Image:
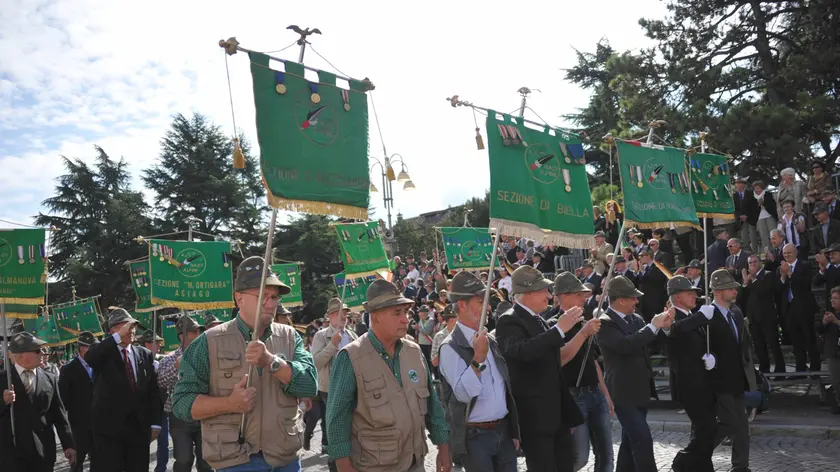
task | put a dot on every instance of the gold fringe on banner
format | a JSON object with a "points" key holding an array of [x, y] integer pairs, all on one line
{"points": [[62, 343], [518, 229], [723, 216], [22, 301], [22, 316], [193, 305], [317, 208], [663, 224], [285, 304], [76, 332], [149, 310], [382, 273]]}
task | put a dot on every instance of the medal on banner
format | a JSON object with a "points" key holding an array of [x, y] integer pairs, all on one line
{"points": [[345, 97], [513, 132], [566, 155], [225, 257], [279, 86], [639, 176], [672, 180], [154, 250], [567, 178], [694, 183], [43, 251], [20, 255], [504, 133], [723, 169], [684, 183], [313, 88], [716, 170], [632, 173], [291, 275], [714, 192], [31, 254]]}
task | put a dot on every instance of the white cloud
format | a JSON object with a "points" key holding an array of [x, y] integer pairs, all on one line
{"points": [[75, 74]]}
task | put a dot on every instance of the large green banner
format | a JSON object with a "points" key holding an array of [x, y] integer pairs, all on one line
{"points": [[313, 140], [23, 260], [538, 183], [289, 274], [78, 316], [191, 275], [655, 183], [362, 250], [356, 292], [23, 312], [711, 186], [141, 281], [169, 333], [46, 329], [467, 248], [145, 318]]}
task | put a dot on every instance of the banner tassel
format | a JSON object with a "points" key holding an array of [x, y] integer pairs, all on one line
{"points": [[479, 141], [238, 156]]}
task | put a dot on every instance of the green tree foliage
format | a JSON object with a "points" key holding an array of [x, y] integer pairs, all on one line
{"points": [[96, 216], [194, 178], [311, 240], [601, 194]]}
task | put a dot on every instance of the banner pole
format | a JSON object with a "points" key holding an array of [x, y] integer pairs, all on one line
{"points": [[8, 367], [705, 252], [486, 303]]}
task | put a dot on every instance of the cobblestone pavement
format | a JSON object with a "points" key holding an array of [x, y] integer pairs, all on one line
{"points": [[767, 454]]}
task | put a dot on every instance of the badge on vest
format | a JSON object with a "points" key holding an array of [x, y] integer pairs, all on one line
{"points": [[412, 375]]}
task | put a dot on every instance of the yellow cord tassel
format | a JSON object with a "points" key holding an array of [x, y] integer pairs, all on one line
{"points": [[479, 141], [238, 157]]}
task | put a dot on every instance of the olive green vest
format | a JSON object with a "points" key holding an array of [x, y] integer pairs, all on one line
{"points": [[388, 429], [274, 426]]}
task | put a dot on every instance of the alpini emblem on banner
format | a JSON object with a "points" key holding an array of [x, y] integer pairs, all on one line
{"points": [[190, 262], [5, 252], [542, 163], [315, 120]]}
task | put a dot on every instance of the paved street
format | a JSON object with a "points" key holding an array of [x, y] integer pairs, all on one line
{"points": [[767, 454]]}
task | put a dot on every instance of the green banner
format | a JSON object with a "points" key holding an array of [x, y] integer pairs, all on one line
{"points": [[141, 281], [538, 184], [467, 248], [362, 250], [289, 274], [22, 266], [711, 186], [47, 330], [356, 292], [223, 314], [191, 275], [23, 312], [79, 316], [145, 318], [654, 180], [169, 333], [313, 140]]}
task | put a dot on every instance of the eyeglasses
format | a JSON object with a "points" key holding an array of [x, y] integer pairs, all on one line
{"points": [[271, 298]]}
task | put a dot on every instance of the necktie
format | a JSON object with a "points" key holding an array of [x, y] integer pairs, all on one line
{"points": [[628, 320], [29, 381], [129, 371], [733, 325]]}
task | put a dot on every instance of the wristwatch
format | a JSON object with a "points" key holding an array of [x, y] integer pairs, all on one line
{"points": [[275, 365], [479, 365]]}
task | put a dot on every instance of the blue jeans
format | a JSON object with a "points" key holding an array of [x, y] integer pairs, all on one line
{"points": [[163, 445], [258, 464], [490, 450], [596, 429], [636, 451]]}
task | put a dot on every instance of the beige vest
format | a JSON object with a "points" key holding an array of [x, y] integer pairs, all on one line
{"points": [[389, 421], [323, 353], [274, 426]]}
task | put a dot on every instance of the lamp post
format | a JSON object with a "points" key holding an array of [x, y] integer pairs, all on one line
{"points": [[388, 176]]}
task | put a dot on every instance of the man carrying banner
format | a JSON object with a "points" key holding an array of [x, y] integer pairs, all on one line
{"points": [[213, 378], [381, 396]]}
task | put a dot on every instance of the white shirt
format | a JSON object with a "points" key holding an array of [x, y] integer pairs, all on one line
{"points": [[21, 370], [491, 403], [413, 275], [506, 283], [131, 359]]}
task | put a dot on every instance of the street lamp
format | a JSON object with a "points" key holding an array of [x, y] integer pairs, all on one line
{"points": [[388, 176]]}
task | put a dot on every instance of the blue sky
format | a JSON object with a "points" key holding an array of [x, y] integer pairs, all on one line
{"points": [[78, 73]]}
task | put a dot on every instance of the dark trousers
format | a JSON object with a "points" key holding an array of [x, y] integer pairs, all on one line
{"points": [[125, 452], [801, 330], [765, 334], [163, 446], [701, 408], [732, 418], [549, 452], [426, 349], [186, 440], [34, 465], [316, 413], [635, 454], [490, 450], [83, 448]]}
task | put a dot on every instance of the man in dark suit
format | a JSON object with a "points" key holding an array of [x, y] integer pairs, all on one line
{"points": [[826, 231], [588, 275], [830, 199], [737, 260], [830, 328], [717, 251], [127, 406], [652, 284], [758, 300], [624, 340], [798, 307], [746, 211], [829, 273], [687, 362], [731, 368], [659, 255], [35, 403], [531, 348], [76, 386]]}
